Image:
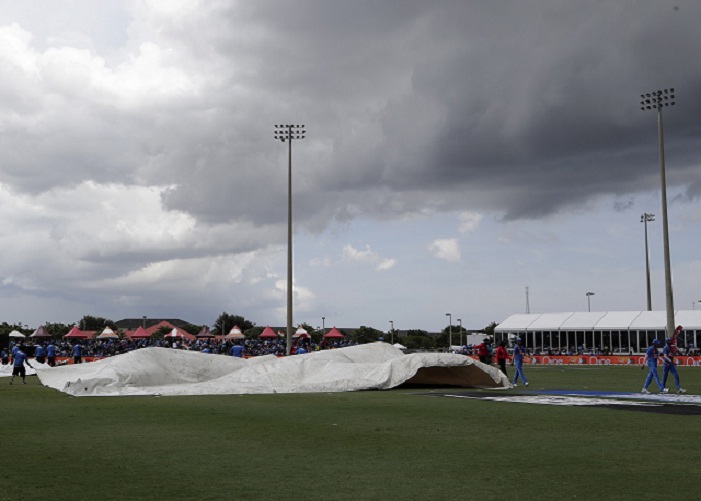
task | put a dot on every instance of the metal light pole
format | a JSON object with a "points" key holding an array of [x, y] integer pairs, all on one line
{"points": [[450, 331], [391, 331], [323, 326], [460, 322], [658, 100], [647, 218], [589, 295], [289, 133]]}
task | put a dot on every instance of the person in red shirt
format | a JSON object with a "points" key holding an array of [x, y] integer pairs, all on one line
{"points": [[482, 352], [502, 357]]}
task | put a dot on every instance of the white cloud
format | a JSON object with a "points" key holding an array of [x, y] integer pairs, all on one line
{"points": [[447, 249], [386, 264], [304, 298], [366, 255], [469, 222]]}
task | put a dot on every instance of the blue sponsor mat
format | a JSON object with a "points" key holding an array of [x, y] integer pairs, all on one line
{"points": [[661, 403]]}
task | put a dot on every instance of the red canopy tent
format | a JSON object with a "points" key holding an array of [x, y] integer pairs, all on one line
{"points": [[139, 333], [334, 334], [268, 333], [76, 333]]}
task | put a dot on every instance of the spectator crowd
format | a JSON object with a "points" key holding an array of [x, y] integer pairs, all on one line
{"points": [[101, 348]]}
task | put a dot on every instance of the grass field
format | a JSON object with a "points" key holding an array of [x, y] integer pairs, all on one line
{"points": [[397, 444]]}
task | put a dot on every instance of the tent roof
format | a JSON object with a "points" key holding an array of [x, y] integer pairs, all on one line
{"points": [[107, 333], [235, 333], [582, 320], [599, 321], [75, 332], [205, 332], [334, 333], [140, 333], [40, 332], [152, 330], [268, 333], [175, 333], [546, 320]]}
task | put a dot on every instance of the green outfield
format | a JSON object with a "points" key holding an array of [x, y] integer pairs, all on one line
{"points": [[398, 444]]}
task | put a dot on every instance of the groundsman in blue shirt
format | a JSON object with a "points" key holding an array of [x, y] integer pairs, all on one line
{"points": [[19, 359]]}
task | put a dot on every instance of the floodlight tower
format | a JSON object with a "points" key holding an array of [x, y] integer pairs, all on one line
{"points": [[647, 218], [657, 100], [289, 133], [450, 331]]}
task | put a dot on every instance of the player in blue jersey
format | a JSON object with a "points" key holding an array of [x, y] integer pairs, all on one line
{"points": [[668, 354], [519, 352], [651, 357], [19, 359], [51, 354]]}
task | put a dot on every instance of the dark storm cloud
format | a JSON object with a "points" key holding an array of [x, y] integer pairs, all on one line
{"points": [[527, 107], [534, 105]]}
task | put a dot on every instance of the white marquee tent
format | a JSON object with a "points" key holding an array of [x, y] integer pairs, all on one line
{"points": [[618, 331]]}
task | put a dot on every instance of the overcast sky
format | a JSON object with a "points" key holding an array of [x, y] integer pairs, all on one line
{"points": [[457, 152]]}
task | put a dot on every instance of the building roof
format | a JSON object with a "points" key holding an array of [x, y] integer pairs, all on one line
{"points": [[129, 324], [599, 321]]}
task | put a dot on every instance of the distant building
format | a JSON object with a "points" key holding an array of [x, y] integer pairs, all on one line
{"points": [[614, 331], [129, 324]]}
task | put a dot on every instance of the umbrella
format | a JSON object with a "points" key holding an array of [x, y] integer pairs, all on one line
{"points": [[17, 334]]}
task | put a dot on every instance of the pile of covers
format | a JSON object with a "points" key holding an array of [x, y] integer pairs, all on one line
{"points": [[165, 371]]}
